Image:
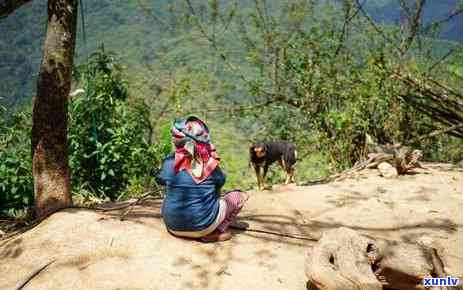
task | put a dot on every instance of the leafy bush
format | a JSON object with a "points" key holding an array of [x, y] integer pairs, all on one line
{"points": [[108, 136], [16, 188], [109, 139], [336, 84]]}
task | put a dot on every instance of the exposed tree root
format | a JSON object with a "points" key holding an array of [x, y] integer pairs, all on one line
{"points": [[346, 260], [31, 276]]}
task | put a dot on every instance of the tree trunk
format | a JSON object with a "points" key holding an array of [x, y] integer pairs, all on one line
{"points": [[49, 131]]}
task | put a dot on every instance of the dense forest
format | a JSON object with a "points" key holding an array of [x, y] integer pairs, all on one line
{"points": [[322, 74], [141, 31]]}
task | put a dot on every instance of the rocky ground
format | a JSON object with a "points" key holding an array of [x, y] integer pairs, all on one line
{"points": [[94, 250]]}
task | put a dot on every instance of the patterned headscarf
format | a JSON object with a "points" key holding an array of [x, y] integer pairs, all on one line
{"points": [[194, 151]]}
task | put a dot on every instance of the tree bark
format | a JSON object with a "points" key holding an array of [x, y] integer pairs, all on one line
{"points": [[49, 130]]}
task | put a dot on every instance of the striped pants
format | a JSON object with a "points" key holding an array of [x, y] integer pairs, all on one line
{"points": [[235, 201]]}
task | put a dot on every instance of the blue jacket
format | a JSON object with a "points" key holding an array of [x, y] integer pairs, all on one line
{"points": [[189, 206]]}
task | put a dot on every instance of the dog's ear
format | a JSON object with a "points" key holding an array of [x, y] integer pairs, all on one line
{"points": [[251, 152], [251, 143], [251, 146]]}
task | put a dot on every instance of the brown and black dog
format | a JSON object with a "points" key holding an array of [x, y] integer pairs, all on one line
{"points": [[264, 153]]}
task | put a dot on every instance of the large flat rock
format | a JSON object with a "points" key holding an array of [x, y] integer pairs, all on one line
{"points": [[95, 250]]}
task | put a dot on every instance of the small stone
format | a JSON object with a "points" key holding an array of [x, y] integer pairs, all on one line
{"points": [[387, 170], [381, 189], [425, 241]]}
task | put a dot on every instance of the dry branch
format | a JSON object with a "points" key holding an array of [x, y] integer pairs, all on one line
{"points": [[148, 195], [286, 235], [402, 158], [9, 6], [437, 132], [31, 276]]}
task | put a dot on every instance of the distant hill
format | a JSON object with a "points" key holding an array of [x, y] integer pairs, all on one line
{"points": [[137, 30], [389, 11]]}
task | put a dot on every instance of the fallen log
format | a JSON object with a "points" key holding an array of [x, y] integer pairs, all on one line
{"points": [[345, 260], [402, 158]]}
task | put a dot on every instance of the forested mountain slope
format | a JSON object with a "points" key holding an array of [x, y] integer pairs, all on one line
{"points": [[322, 74], [142, 31], [390, 11]]}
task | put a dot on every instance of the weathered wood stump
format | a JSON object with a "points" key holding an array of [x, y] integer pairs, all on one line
{"points": [[345, 260], [402, 158], [340, 261]]}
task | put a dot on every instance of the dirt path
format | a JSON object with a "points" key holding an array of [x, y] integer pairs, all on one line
{"points": [[97, 251]]}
